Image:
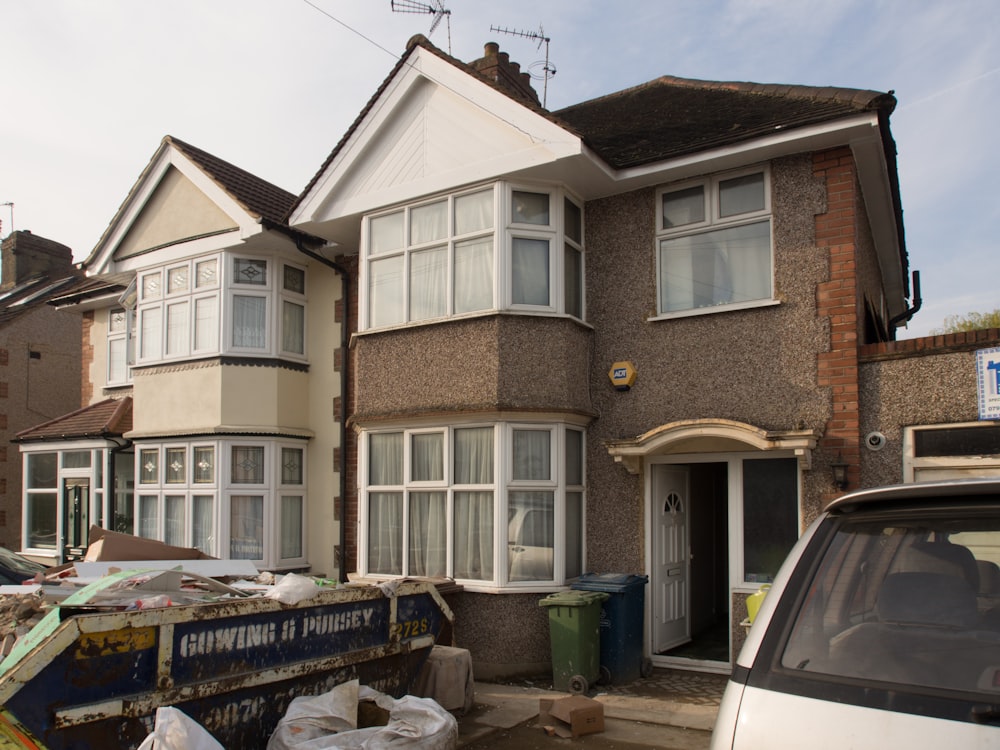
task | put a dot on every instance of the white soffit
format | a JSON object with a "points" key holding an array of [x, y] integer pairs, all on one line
{"points": [[434, 128]]}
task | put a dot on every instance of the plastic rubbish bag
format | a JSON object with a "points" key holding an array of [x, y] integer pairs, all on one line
{"points": [[175, 730], [329, 722], [293, 588]]}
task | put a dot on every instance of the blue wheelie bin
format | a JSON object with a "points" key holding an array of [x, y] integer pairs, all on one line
{"points": [[621, 624]]}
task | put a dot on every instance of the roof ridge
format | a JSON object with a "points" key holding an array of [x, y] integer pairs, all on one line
{"points": [[858, 98]]}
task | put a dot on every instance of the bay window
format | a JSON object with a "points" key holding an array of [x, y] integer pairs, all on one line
{"points": [[249, 506], [433, 500], [485, 249], [714, 244], [209, 306]]}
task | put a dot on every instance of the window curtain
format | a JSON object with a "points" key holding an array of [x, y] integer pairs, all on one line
{"points": [[206, 324], [746, 257], [532, 454], [291, 526], [530, 271], [148, 516], [428, 534], [428, 284], [385, 509], [149, 330], [714, 268], [246, 535], [385, 533], [249, 321], [173, 528], [293, 327], [474, 275], [203, 523], [473, 212], [428, 223], [473, 536], [385, 291], [116, 360], [177, 328], [677, 274]]}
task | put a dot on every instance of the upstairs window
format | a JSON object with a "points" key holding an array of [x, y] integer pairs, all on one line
{"points": [[212, 305], [453, 256], [714, 244], [120, 354]]}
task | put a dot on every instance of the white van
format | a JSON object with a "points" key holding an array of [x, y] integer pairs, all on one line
{"points": [[881, 630]]}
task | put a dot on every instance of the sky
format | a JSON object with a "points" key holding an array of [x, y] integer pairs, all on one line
{"points": [[90, 87]]}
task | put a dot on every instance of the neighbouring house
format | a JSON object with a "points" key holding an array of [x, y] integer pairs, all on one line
{"points": [[652, 333], [39, 355], [205, 422]]}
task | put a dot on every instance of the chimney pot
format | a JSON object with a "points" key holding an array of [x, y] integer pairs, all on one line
{"points": [[490, 49]]}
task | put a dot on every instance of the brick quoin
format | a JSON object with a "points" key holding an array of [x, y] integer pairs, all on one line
{"points": [[87, 358], [836, 300]]}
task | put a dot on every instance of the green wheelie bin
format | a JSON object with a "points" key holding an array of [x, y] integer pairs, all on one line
{"points": [[574, 628]]}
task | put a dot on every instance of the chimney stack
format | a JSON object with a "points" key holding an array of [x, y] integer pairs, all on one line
{"points": [[496, 66], [23, 256]]}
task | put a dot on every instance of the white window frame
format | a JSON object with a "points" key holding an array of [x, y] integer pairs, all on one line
{"points": [[153, 345], [125, 337], [714, 222], [101, 486], [222, 489], [946, 467], [503, 233], [503, 484]]}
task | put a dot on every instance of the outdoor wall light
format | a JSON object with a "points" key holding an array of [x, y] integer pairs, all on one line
{"points": [[839, 469]]}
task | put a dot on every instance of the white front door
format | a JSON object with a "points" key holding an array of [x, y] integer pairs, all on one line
{"points": [[671, 626]]}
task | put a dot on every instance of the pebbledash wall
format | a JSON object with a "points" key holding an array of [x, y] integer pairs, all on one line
{"points": [[918, 383]]}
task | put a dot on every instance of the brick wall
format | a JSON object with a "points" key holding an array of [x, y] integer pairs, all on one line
{"points": [[837, 301]]}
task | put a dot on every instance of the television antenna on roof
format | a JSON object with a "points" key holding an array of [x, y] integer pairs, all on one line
{"points": [[436, 9], [547, 69]]}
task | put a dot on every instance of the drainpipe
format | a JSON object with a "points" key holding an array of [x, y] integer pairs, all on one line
{"points": [[904, 317], [300, 239]]}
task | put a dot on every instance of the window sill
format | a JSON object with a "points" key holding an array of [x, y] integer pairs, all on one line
{"points": [[474, 587], [474, 316], [716, 309]]}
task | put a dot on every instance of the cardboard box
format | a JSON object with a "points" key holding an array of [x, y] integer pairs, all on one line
{"points": [[571, 717], [112, 545]]}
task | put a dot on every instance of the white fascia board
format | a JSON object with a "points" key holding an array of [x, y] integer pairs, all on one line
{"points": [[848, 131], [135, 203], [548, 142]]}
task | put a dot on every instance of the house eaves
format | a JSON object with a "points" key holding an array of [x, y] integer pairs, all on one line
{"points": [[674, 128]]}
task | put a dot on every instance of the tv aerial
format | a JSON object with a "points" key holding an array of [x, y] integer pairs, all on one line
{"points": [[540, 71], [436, 9]]}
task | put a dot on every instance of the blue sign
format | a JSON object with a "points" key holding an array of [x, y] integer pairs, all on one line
{"points": [[988, 382]]}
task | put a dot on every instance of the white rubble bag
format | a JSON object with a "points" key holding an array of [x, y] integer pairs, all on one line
{"points": [[175, 730], [329, 722]]}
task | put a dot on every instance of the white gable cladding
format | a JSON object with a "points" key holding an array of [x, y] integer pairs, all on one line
{"points": [[434, 128]]}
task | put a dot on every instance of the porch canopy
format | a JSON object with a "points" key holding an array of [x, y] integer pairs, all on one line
{"points": [[710, 436]]}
